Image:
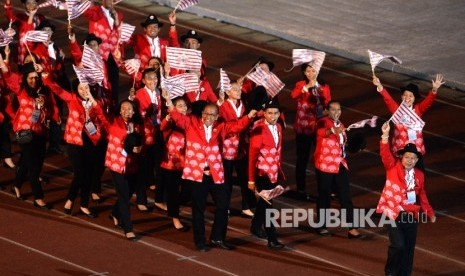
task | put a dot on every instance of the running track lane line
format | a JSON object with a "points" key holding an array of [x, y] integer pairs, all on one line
{"points": [[50, 256]]}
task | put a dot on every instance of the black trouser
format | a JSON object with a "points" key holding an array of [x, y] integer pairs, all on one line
{"points": [[341, 180], [55, 135], [159, 147], [84, 162], [259, 219], [402, 240], [145, 175], [30, 165], [304, 144], [5, 147], [100, 152], [113, 78], [200, 192], [248, 198], [124, 186], [172, 182]]}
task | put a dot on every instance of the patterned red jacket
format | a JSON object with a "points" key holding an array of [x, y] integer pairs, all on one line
{"points": [[264, 155], [98, 25], [150, 113], [175, 146], [234, 144], [308, 109], [328, 152], [394, 196], [199, 152], [400, 137], [76, 117]]}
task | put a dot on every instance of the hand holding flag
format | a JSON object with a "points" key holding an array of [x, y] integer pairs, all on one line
{"points": [[268, 80]]}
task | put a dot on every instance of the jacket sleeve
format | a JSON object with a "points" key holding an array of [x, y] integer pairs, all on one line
{"points": [[386, 156], [297, 91], [76, 52], [181, 120], [57, 90], [424, 105], [254, 151], [389, 101], [173, 40]]}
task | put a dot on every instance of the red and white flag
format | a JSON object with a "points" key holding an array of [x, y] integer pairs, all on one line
{"points": [[270, 194], [125, 32], [90, 59], [406, 116], [376, 59], [4, 38], [301, 56], [225, 82], [268, 80], [132, 65], [88, 75], [37, 36], [184, 4], [53, 3], [76, 8], [178, 85], [371, 122], [184, 59]]}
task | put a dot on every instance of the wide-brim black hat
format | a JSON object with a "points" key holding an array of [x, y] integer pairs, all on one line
{"points": [[191, 34], [92, 37], [412, 88], [151, 19], [27, 68], [272, 103], [132, 140], [267, 62], [24, 1], [45, 24], [409, 148]]}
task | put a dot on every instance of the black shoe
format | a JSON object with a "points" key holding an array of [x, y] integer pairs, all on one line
{"points": [[142, 210], [324, 232], [43, 207], [245, 215], [259, 233], [98, 201], [5, 165], [67, 211], [223, 245], [359, 236], [201, 248], [184, 228], [55, 150], [275, 245], [133, 238], [20, 197], [89, 215]]}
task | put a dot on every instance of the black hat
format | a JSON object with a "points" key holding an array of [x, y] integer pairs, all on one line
{"points": [[45, 24], [409, 148], [197, 107], [24, 1], [266, 61], [191, 34], [356, 143], [27, 68], [273, 103], [151, 19], [258, 98], [92, 37], [132, 140], [412, 88]]}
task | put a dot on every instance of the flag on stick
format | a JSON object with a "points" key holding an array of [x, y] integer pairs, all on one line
{"points": [[225, 82], [268, 80], [4, 38], [36, 36], [76, 8], [371, 122], [184, 59], [132, 65], [376, 59], [184, 4], [275, 192], [178, 85], [315, 58], [126, 31], [53, 3], [90, 59], [88, 75], [406, 116]]}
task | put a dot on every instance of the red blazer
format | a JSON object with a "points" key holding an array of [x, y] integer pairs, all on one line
{"points": [[98, 25], [328, 152], [22, 119], [199, 152], [116, 159], [150, 114], [76, 117], [175, 146], [234, 144], [394, 196], [309, 107], [400, 137], [264, 155], [205, 93], [20, 20]]}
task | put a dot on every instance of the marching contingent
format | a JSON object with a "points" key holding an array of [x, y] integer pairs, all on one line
{"points": [[176, 136]]}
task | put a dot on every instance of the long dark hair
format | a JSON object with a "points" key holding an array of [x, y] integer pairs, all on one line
{"points": [[136, 118], [33, 92]]}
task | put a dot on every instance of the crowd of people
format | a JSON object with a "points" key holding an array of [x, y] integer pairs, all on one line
{"points": [[186, 147]]}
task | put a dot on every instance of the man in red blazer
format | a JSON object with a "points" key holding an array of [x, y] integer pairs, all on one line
{"points": [[265, 168], [203, 168]]}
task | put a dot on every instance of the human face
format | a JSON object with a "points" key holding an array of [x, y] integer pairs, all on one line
{"points": [[334, 111], [30, 5], [153, 63], [264, 67], [209, 115], [32, 80], [107, 4], [49, 31], [94, 46], [126, 111], [408, 97], [152, 30], [272, 115], [409, 159], [191, 43], [181, 107], [83, 90], [235, 92], [310, 73], [150, 80]]}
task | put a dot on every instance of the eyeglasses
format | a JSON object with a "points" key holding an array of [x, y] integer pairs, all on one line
{"points": [[209, 114]]}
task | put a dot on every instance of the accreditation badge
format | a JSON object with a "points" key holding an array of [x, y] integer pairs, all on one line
{"points": [[91, 128], [411, 197], [412, 135]]}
